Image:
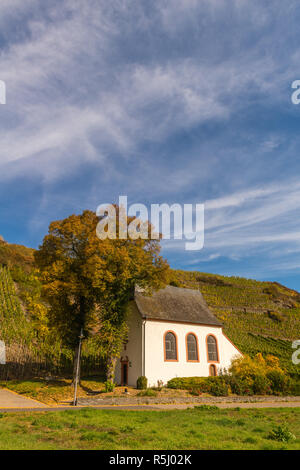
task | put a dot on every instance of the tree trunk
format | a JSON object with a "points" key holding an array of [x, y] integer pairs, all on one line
{"points": [[111, 367]]}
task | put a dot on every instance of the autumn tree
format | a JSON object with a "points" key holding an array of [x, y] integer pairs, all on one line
{"points": [[89, 282]]}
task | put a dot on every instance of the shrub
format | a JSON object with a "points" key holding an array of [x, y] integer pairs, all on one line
{"points": [[109, 386], [218, 387], [281, 433], [188, 383], [142, 383], [294, 386], [261, 384], [257, 375], [238, 385], [278, 380], [195, 392]]}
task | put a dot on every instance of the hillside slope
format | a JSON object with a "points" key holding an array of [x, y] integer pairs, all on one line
{"points": [[32, 349], [257, 316]]}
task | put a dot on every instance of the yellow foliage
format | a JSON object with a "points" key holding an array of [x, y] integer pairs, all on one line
{"points": [[246, 367]]}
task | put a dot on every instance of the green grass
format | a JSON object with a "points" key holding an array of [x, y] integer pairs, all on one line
{"points": [[198, 428]]}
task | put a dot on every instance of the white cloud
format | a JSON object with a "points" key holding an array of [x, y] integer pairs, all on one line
{"points": [[63, 86]]}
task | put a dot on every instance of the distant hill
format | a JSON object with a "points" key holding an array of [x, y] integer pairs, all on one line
{"points": [[257, 316], [16, 255]]}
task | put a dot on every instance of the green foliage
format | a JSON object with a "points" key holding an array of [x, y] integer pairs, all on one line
{"points": [[261, 384], [14, 325], [281, 434], [238, 385], [279, 382], [246, 376], [258, 376], [216, 386], [294, 386], [142, 383], [206, 408], [109, 386]]}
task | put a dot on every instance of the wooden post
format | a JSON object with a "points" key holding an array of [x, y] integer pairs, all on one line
{"points": [[77, 368]]}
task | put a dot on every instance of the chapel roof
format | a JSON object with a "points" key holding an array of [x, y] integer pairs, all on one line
{"points": [[175, 304]]}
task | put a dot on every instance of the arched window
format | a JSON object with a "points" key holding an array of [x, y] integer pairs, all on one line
{"points": [[170, 346], [212, 370], [192, 348], [212, 349]]}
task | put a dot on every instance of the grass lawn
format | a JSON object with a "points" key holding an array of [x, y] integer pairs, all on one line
{"points": [[197, 428], [57, 391]]}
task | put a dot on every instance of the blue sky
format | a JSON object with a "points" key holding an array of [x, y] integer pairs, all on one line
{"points": [[181, 101]]}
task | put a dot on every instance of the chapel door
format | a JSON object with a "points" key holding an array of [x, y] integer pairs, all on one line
{"points": [[124, 373]]}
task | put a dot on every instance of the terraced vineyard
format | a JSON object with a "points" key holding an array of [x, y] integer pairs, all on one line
{"points": [[31, 348], [14, 325], [257, 316]]}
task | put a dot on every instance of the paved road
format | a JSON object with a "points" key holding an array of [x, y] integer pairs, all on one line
{"points": [[40, 408], [12, 400]]}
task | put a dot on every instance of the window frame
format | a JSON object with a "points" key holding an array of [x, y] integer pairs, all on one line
{"points": [[217, 346], [176, 345], [215, 368], [187, 349]]}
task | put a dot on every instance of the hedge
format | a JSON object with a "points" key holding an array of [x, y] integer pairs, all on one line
{"points": [[216, 386]]}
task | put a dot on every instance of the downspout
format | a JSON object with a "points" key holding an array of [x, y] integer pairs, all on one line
{"points": [[143, 346]]}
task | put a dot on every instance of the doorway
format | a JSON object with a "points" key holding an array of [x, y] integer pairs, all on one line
{"points": [[124, 373]]}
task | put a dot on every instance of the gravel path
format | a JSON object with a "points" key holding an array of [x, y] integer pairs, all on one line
{"points": [[158, 407], [13, 400], [220, 401]]}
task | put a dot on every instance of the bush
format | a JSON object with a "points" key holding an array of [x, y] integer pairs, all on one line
{"points": [[257, 375], [281, 434], [109, 386], [294, 386], [238, 385], [278, 380], [261, 385], [142, 383], [216, 386], [196, 392], [187, 383]]}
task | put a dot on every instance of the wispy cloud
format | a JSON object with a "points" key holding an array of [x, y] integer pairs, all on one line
{"points": [[181, 103]]}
